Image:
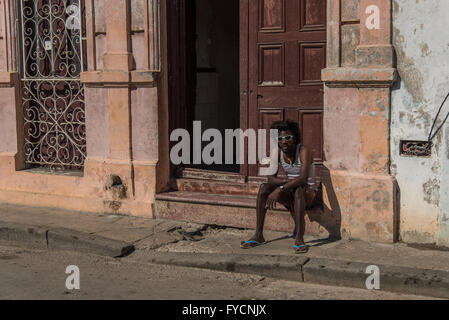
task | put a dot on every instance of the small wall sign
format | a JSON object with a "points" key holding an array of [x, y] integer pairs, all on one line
{"points": [[416, 148]]}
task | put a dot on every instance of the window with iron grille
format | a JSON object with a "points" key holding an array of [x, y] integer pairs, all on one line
{"points": [[53, 104]]}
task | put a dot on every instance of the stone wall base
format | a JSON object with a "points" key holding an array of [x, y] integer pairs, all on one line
{"points": [[366, 205], [97, 190]]}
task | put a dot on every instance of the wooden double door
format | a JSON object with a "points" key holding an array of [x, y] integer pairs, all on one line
{"points": [[282, 53], [286, 52]]}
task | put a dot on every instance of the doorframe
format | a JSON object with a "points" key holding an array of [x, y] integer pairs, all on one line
{"points": [[179, 103], [173, 23]]}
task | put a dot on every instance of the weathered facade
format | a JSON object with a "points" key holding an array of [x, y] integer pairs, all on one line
{"points": [[120, 102], [420, 37], [359, 76]]}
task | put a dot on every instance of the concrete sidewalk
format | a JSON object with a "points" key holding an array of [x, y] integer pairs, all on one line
{"points": [[403, 269]]}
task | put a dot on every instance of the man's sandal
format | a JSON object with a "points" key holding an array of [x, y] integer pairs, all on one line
{"points": [[301, 249], [250, 244]]}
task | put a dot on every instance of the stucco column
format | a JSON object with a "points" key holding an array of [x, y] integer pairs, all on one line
{"points": [[11, 122], [359, 190], [128, 86], [118, 52], [118, 58], [110, 89], [375, 49]]}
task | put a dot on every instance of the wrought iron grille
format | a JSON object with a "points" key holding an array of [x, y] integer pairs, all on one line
{"points": [[52, 94]]}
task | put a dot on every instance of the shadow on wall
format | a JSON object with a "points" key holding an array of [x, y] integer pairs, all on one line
{"points": [[397, 214], [330, 216]]}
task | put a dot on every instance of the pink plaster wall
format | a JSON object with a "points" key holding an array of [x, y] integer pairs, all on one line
{"points": [[137, 34], [100, 46], [97, 122], [137, 14], [341, 128], [100, 16], [8, 136], [100, 32], [2, 55], [138, 47], [144, 112], [2, 45]]}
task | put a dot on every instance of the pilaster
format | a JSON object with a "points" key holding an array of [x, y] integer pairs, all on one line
{"points": [[357, 109]]}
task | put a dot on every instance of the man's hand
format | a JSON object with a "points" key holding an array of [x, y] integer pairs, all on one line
{"points": [[273, 198]]}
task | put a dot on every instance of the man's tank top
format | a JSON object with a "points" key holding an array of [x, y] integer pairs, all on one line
{"points": [[293, 171]]}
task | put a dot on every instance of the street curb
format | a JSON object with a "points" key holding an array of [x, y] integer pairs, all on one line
{"points": [[404, 280], [281, 267], [62, 239], [399, 279], [31, 236]]}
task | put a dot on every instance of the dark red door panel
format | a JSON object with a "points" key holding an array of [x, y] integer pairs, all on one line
{"points": [[287, 51]]}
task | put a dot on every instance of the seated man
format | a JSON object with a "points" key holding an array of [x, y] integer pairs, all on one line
{"points": [[296, 192]]}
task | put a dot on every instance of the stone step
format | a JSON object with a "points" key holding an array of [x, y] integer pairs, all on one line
{"points": [[190, 173], [217, 187], [229, 210]]}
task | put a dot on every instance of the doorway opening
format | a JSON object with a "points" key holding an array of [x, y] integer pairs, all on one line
{"points": [[217, 102], [204, 68]]}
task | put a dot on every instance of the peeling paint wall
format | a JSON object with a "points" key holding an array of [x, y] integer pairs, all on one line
{"points": [[350, 31], [443, 222], [421, 41]]}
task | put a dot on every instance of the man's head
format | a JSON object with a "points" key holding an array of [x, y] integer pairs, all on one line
{"points": [[288, 134]]}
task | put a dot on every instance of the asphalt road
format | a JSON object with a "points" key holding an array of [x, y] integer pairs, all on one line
{"points": [[33, 274]]}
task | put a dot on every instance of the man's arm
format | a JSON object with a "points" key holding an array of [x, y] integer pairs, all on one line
{"points": [[275, 180]]}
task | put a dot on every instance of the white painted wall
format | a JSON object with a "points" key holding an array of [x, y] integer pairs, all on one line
{"points": [[443, 223], [421, 40]]}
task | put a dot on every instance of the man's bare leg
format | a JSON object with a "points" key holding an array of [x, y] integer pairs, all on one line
{"points": [[308, 200], [264, 191], [299, 211], [292, 213]]}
